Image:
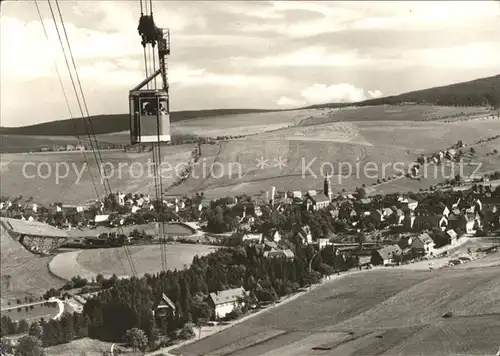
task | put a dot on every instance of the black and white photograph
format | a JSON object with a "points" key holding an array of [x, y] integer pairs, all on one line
{"points": [[249, 178]]}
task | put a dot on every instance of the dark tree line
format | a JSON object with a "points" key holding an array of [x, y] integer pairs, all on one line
{"points": [[129, 303], [11, 327]]}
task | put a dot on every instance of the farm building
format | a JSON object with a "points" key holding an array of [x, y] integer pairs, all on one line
{"points": [[226, 301], [385, 255]]}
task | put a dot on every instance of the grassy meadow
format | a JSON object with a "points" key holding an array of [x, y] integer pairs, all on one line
{"points": [[344, 146], [347, 140], [384, 312], [109, 261], [128, 172], [23, 273]]}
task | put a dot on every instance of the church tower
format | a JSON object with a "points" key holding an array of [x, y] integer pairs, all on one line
{"points": [[327, 187]]}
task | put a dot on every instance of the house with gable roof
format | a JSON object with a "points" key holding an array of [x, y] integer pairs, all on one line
{"points": [[226, 301], [165, 308], [423, 244], [385, 255]]}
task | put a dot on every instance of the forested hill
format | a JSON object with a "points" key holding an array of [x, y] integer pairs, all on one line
{"points": [[103, 124], [479, 92], [484, 91]]}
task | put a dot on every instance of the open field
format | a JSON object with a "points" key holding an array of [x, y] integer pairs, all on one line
{"points": [[358, 152], [398, 113], [237, 124], [13, 143], [23, 273], [308, 151], [243, 124], [129, 172], [39, 311], [389, 311], [109, 261]]}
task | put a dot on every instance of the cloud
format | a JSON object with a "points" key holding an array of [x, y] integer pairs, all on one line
{"points": [[336, 93], [314, 57], [286, 101], [392, 15], [37, 59], [469, 56], [251, 54], [187, 77], [373, 94]]}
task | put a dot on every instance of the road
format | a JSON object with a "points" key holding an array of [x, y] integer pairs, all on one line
{"points": [[59, 302], [22, 305]]}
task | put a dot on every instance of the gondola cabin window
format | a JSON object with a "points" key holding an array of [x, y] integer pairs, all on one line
{"points": [[149, 107], [163, 106]]}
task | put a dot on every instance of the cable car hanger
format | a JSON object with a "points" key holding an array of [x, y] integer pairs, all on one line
{"points": [[149, 108]]}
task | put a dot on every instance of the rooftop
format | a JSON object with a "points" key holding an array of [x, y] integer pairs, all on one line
{"points": [[227, 296], [320, 198], [425, 238], [388, 251]]}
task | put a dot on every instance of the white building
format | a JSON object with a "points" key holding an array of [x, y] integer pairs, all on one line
{"points": [[226, 301], [322, 243], [252, 238], [100, 219]]}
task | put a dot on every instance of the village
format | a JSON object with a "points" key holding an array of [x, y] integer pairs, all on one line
{"points": [[351, 222], [332, 232], [342, 232]]}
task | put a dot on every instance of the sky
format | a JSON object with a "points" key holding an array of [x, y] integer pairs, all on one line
{"points": [[253, 54]]}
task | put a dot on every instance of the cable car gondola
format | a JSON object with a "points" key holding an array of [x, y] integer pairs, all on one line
{"points": [[149, 116], [149, 108]]}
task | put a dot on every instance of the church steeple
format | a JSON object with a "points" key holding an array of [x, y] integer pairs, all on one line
{"points": [[327, 186]]}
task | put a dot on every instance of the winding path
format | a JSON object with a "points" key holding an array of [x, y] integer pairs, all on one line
{"points": [[60, 304]]}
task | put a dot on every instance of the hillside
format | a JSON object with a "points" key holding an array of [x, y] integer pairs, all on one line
{"points": [[479, 92], [103, 124], [379, 312], [484, 91], [22, 273]]}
